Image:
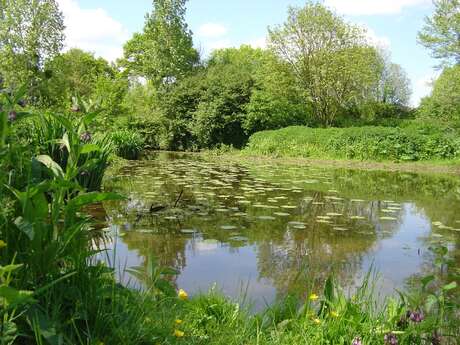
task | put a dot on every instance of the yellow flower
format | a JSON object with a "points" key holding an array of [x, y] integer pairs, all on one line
{"points": [[182, 295], [178, 333], [313, 297], [334, 314], [317, 321], [2, 244], [178, 321]]}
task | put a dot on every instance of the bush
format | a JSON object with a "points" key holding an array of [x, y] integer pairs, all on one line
{"points": [[411, 143], [128, 144], [444, 102]]}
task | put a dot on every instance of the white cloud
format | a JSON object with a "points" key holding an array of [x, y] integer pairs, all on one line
{"points": [[212, 30], [382, 42], [372, 7], [258, 43], [422, 86], [93, 30]]}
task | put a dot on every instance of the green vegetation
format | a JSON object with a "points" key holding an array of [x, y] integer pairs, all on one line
{"points": [[128, 144], [62, 115], [410, 143]]}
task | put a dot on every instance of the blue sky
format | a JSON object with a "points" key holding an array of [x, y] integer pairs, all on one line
{"points": [[102, 26]]}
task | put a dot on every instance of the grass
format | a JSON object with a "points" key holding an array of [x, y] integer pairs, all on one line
{"points": [[54, 290], [411, 143]]}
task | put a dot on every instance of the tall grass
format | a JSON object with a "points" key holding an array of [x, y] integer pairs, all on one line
{"points": [[128, 143]]}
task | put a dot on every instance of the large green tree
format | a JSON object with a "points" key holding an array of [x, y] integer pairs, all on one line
{"points": [[31, 31], [330, 58], [441, 33], [163, 52], [79, 73], [444, 102]]}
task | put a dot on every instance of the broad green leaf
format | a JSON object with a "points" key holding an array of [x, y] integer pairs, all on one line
{"points": [[91, 198], [10, 296], [87, 148], [50, 164], [450, 286], [25, 227]]}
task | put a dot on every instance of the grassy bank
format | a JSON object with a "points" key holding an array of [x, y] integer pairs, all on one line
{"points": [[415, 142]]}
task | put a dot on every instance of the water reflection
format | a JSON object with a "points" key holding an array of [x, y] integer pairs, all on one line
{"points": [[266, 230]]}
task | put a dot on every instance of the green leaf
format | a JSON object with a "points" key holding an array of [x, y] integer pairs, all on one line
{"points": [[91, 198], [9, 268], [10, 296], [50, 164], [87, 148], [450, 286], [25, 227], [426, 280]]}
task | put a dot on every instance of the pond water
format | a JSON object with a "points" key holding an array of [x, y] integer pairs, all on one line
{"points": [[261, 231]]}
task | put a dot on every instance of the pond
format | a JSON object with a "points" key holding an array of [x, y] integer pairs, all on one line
{"points": [[261, 230]]}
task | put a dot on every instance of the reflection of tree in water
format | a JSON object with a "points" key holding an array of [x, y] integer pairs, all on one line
{"points": [[167, 249], [288, 257]]}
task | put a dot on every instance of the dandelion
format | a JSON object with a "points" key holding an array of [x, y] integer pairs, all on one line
{"points": [[182, 295], [334, 314], [390, 339], [2, 244], [178, 321], [178, 333], [313, 297], [317, 321], [357, 341]]}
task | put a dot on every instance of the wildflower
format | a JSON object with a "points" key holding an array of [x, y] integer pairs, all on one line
{"points": [[334, 314], [85, 137], [178, 333], [357, 341], [390, 339], [317, 321], [416, 316], [2, 244], [178, 321], [313, 297], [12, 116], [182, 295], [75, 108]]}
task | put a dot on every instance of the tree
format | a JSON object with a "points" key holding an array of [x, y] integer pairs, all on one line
{"points": [[444, 101], [163, 52], [31, 32], [332, 62], [79, 73], [441, 33], [394, 86]]}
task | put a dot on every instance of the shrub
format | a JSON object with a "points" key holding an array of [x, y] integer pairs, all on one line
{"points": [[128, 144], [411, 143]]}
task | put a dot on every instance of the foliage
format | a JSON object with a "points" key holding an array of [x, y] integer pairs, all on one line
{"points": [[410, 143], [444, 102], [128, 144], [163, 52], [79, 74], [442, 31], [31, 31], [334, 74], [51, 134], [394, 85]]}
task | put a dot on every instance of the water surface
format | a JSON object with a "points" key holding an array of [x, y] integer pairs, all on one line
{"points": [[265, 230]]}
